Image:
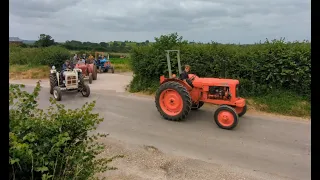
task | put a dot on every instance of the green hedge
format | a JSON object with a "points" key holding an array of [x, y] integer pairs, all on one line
{"points": [[53, 55], [260, 67], [55, 143]]}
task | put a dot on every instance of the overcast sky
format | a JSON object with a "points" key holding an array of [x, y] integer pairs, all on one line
{"points": [[234, 21]]}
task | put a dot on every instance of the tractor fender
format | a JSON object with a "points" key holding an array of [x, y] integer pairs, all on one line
{"points": [[164, 80]]}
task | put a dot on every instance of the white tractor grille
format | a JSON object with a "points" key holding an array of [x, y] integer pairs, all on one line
{"points": [[72, 80]]}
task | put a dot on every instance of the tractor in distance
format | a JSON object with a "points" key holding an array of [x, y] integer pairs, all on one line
{"points": [[175, 98], [103, 65], [72, 81]]}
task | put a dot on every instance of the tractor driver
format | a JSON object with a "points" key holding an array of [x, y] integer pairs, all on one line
{"points": [[65, 66], [185, 75]]}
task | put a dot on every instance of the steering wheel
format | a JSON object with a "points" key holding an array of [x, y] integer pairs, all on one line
{"points": [[190, 80]]}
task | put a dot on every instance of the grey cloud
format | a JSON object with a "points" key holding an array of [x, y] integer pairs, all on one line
{"points": [[200, 20]]}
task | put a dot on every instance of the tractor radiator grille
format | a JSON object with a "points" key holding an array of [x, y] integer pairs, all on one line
{"points": [[72, 80]]}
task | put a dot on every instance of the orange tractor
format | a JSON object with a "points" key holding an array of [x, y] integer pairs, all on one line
{"points": [[175, 98]]}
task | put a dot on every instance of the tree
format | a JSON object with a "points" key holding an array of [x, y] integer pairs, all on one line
{"points": [[104, 44], [44, 41], [123, 44]]}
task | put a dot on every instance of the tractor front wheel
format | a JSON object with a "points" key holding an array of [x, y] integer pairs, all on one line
{"points": [[85, 90], [241, 110], [173, 101], [57, 94], [226, 117], [197, 106]]}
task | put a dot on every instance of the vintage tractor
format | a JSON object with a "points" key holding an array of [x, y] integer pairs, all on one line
{"points": [[175, 98], [72, 80], [103, 66], [89, 71]]}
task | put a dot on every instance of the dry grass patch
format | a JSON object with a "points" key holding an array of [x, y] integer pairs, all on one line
{"points": [[28, 72]]}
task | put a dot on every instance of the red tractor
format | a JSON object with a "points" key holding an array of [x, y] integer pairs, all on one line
{"points": [[175, 98], [89, 71]]}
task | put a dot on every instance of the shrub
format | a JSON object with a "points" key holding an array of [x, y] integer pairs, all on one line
{"points": [[260, 67], [55, 143], [51, 56]]}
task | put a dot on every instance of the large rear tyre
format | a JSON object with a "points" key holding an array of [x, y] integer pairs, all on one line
{"points": [[53, 81], [241, 110], [197, 106], [226, 117], [90, 78], [95, 73], [57, 94], [81, 83], [173, 101], [85, 91]]}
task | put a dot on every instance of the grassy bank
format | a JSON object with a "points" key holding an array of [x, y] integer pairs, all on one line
{"points": [[121, 64], [28, 72]]}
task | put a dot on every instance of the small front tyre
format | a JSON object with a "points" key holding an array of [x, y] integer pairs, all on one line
{"points": [[57, 94], [85, 90], [226, 117]]}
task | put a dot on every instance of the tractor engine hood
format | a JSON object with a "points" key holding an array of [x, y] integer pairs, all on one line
{"points": [[213, 81]]}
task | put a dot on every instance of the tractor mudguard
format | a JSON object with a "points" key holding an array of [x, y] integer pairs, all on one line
{"points": [[164, 80]]}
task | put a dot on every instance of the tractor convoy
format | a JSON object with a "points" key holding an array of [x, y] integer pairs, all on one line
{"points": [[175, 97]]}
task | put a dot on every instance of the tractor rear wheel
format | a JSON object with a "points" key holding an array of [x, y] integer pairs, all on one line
{"points": [[95, 73], [90, 78], [81, 83], [226, 117], [241, 110], [53, 81], [173, 101], [197, 106]]}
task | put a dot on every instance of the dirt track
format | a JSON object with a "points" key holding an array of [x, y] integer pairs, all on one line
{"points": [[261, 147]]}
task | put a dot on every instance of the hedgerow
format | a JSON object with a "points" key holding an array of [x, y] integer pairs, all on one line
{"points": [[51, 56], [52, 144], [261, 68]]}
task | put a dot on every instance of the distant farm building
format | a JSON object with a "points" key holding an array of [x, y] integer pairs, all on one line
{"points": [[15, 40]]}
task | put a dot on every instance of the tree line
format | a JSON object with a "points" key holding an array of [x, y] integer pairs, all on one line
{"points": [[45, 40]]}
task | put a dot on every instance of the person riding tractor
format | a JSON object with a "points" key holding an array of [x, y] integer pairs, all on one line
{"points": [[65, 66], [90, 58], [104, 60]]}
